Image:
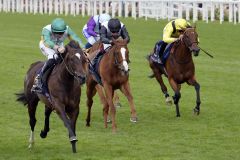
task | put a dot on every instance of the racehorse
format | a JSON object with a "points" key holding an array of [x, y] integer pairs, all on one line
{"points": [[114, 72], [92, 52], [64, 88], [179, 68]]}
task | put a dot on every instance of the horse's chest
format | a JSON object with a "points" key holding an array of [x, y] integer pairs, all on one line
{"points": [[182, 76]]}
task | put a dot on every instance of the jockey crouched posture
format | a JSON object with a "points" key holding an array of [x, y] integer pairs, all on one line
{"points": [[92, 28], [171, 32], [53, 36], [112, 29]]}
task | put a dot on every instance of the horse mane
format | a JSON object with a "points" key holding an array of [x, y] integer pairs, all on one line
{"points": [[73, 44]]}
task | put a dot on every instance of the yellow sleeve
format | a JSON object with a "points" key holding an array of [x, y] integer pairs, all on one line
{"points": [[167, 32]]}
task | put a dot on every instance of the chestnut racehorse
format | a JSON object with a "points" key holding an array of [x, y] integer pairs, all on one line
{"points": [[114, 72]]}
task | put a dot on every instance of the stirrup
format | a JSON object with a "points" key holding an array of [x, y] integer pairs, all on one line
{"points": [[37, 88], [37, 85]]}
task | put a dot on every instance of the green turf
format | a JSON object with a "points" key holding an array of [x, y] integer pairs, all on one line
{"points": [[214, 134]]}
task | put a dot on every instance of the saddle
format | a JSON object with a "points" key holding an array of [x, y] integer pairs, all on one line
{"points": [[161, 52], [93, 67]]}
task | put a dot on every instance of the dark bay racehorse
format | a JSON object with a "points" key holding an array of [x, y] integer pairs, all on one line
{"points": [[113, 69], [64, 85], [180, 68]]}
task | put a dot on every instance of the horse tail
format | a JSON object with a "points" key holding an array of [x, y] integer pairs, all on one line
{"points": [[22, 98], [148, 57]]}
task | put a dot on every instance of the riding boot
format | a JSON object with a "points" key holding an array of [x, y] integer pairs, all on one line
{"points": [[161, 52], [41, 78], [95, 59], [94, 67]]}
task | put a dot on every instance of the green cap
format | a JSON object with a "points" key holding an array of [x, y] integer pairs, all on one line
{"points": [[58, 25]]}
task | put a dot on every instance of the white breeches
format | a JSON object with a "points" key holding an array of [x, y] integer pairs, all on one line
{"points": [[48, 52]]}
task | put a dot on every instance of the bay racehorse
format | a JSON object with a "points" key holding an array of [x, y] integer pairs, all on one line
{"points": [[64, 88], [114, 72], [179, 68]]}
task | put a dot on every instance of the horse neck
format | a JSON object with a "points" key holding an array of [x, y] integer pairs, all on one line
{"points": [[183, 52], [63, 74], [112, 54]]}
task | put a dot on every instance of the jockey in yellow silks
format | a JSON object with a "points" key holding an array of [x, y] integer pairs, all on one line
{"points": [[171, 33], [174, 29]]}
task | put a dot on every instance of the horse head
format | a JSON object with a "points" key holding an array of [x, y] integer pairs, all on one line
{"points": [[76, 61], [121, 55], [190, 39]]}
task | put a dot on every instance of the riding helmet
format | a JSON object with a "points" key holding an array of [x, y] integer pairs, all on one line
{"points": [[104, 17], [58, 25], [114, 25]]}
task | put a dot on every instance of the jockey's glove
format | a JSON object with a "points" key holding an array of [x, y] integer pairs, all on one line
{"points": [[55, 48], [61, 49]]}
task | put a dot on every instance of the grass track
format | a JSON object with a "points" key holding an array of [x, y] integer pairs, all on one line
{"points": [[215, 134]]}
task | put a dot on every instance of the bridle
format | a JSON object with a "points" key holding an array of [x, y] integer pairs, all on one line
{"points": [[72, 72], [117, 63], [186, 41]]}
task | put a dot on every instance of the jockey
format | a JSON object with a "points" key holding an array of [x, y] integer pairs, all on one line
{"points": [[112, 29], [92, 28], [171, 33], [53, 36]]}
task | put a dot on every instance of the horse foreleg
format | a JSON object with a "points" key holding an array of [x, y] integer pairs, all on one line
{"points": [[62, 114], [91, 91], [32, 121], [105, 105], [176, 87], [109, 95], [127, 92], [158, 76], [198, 102], [73, 115], [116, 100], [44, 132], [196, 85]]}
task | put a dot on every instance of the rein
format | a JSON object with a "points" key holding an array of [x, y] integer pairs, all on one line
{"points": [[174, 55], [70, 70], [186, 45]]}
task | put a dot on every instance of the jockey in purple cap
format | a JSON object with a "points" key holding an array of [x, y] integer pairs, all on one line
{"points": [[92, 28]]}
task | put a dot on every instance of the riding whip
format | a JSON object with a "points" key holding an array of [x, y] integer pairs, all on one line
{"points": [[206, 52]]}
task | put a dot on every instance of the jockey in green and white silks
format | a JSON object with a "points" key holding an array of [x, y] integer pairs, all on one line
{"points": [[52, 43]]}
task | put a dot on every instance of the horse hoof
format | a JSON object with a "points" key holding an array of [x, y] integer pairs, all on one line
{"points": [[43, 134], [109, 120], [133, 119], [30, 146], [196, 111], [168, 101], [73, 139], [87, 125], [74, 145], [178, 115]]}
